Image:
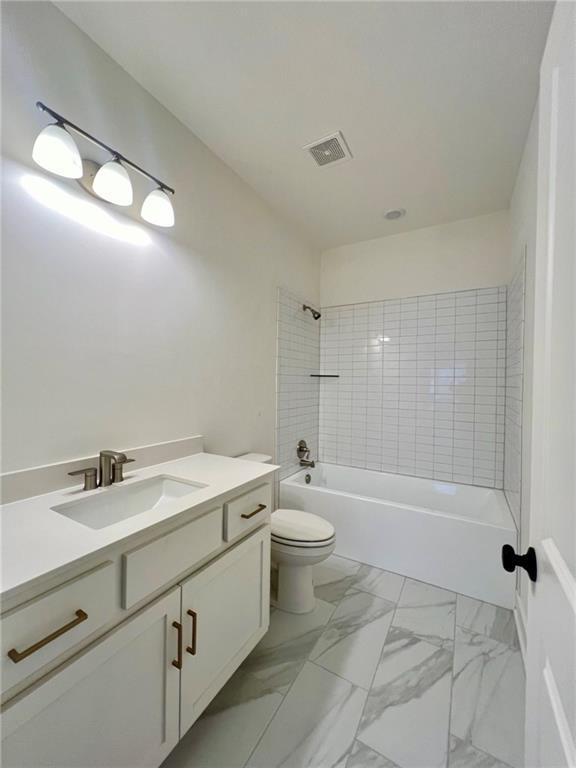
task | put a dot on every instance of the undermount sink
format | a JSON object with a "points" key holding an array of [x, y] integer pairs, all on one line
{"points": [[111, 505]]}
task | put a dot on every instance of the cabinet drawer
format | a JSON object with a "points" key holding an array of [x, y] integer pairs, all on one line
{"points": [[154, 564], [247, 511], [37, 632]]}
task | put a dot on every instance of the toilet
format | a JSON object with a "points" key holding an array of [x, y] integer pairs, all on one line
{"points": [[299, 540]]}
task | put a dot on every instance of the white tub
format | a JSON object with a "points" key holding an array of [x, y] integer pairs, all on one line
{"points": [[442, 533]]}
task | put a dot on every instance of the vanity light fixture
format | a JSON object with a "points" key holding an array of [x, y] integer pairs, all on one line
{"points": [[157, 209], [56, 151], [113, 184]]}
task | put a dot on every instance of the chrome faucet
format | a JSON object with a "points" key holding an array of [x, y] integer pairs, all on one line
{"points": [[303, 453], [112, 467]]}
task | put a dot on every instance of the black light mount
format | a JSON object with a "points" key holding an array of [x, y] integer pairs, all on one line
{"points": [[116, 155]]}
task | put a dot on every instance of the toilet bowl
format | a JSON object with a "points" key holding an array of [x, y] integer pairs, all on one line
{"points": [[299, 540]]}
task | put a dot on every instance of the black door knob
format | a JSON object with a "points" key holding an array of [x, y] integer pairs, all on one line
{"points": [[511, 561]]}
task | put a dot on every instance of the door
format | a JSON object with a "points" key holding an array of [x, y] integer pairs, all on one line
{"points": [[225, 612], [551, 668], [115, 705]]}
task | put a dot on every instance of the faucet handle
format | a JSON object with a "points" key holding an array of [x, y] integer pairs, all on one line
{"points": [[90, 477], [118, 469]]}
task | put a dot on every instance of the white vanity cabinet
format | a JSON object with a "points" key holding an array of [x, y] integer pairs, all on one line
{"points": [[115, 705], [225, 611], [125, 699]]}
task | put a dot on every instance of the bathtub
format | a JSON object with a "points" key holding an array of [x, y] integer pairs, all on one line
{"points": [[445, 534]]}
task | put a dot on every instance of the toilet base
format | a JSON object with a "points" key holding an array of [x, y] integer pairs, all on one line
{"points": [[295, 592], [293, 584]]}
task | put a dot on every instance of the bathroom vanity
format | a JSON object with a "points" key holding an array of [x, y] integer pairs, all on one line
{"points": [[120, 626]]}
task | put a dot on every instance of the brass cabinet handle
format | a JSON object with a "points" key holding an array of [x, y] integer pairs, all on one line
{"points": [[191, 649], [177, 662], [259, 508], [17, 656]]}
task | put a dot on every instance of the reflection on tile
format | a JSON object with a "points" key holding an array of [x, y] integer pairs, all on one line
{"points": [[351, 644], [230, 727], [463, 755], [488, 696], [279, 656], [315, 724], [333, 578], [380, 583], [426, 611], [485, 619], [362, 756], [407, 712]]}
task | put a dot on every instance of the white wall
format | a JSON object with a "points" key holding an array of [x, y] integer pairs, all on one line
{"points": [[523, 241], [462, 255], [110, 344]]}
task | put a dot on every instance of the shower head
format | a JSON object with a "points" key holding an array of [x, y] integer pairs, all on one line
{"points": [[315, 314]]}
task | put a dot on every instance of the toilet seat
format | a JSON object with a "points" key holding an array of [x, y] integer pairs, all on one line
{"points": [[292, 527], [302, 544]]}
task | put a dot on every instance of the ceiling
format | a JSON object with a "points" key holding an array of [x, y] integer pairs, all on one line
{"points": [[434, 99]]}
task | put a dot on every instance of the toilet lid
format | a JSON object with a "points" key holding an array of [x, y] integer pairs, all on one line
{"points": [[295, 525]]}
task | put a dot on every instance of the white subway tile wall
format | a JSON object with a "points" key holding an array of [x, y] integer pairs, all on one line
{"points": [[297, 393], [421, 388], [514, 391]]}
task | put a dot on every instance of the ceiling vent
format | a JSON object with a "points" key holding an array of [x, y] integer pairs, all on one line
{"points": [[330, 150]]}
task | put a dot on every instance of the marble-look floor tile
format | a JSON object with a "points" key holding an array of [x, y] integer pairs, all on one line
{"points": [[408, 708], [485, 619], [351, 644], [377, 582], [463, 755], [315, 724], [334, 577], [426, 611], [362, 756], [229, 729], [488, 696], [280, 655]]}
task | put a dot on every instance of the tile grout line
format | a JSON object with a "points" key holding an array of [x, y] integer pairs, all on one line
{"points": [[284, 695], [451, 683], [356, 733]]}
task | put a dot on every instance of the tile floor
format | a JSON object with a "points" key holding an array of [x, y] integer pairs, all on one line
{"points": [[387, 672]]}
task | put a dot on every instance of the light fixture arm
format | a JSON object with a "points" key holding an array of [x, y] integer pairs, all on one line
{"points": [[114, 152]]}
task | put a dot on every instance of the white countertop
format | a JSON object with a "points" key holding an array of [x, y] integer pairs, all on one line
{"points": [[37, 542]]}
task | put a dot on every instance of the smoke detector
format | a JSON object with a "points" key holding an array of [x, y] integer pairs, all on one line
{"points": [[394, 213], [330, 150]]}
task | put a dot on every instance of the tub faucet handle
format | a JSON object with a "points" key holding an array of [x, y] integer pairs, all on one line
{"points": [[302, 451]]}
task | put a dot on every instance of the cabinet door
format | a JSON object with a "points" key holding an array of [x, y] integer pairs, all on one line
{"points": [[115, 705], [225, 612]]}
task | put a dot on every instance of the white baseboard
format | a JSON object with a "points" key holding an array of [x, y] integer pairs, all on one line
{"points": [[51, 477]]}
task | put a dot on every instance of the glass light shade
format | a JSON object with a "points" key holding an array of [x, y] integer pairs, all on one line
{"points": [[113, 184], [56, 151], [157, 209]]}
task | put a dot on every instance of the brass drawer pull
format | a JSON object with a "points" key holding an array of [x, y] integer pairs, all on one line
{"points": [[259, 508], [17, 656], [177, 662], [191, 649]]}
